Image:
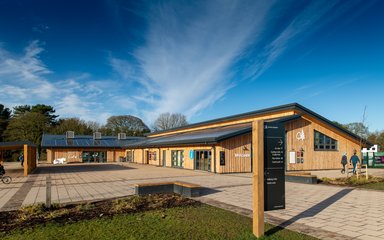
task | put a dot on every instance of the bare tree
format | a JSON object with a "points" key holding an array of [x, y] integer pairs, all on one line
{"points": [[95, 126], [169, 120]]}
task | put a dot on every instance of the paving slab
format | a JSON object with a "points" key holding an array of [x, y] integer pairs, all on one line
{"points": [[326, 212]]}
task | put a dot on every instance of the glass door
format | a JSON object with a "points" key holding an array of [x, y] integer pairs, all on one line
{"points": [[177, 158], [203, 160]]}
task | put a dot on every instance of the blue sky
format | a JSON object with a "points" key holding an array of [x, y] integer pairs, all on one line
{"points": [[205, 59]]}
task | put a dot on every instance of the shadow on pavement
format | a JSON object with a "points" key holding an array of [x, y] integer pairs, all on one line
{"points": [[311, 211], [79, 168], [206, 191]]}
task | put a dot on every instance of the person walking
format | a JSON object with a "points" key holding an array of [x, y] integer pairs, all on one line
{"points": [[354, 160], [2, 170], [344, 162], [21, 159]]}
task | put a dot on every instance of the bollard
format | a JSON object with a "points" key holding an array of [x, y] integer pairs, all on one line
{"points": [[48, 193]]}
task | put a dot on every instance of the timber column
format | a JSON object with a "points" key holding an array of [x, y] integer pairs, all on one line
{"points": [[258, 177]]}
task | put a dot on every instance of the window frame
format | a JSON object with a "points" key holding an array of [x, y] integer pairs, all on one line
{"points": [[322, 142]]}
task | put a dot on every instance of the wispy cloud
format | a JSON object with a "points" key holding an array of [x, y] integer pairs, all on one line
{"points": [[189, 57], [184, 64], [25, 79]]}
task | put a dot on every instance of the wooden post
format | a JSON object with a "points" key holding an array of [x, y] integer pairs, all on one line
{"points": [[26, 157], [258, 177], [48, 193]]}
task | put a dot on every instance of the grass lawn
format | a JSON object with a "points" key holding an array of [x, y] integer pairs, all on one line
{"points": [[191, 222], [376, 183], [375, 186]]}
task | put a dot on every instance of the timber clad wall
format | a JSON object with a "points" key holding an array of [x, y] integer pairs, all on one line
{"points": [[237, 154], [237, 149], [320, 159], [75, 155]]}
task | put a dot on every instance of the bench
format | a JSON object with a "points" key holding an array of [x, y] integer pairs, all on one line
{"points": [[183, 188], [301, 178]]}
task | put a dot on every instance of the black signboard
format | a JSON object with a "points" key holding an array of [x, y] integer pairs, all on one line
{"points": [[222, 158], [274, 162]]}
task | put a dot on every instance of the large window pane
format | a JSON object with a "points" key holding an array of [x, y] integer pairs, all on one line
{"points": [[323, 142]]}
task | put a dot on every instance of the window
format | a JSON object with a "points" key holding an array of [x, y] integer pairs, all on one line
{"points": [[177, 158], [324, 143], [152, 155]]}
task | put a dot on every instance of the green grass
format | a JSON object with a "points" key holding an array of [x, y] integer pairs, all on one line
{"points": [[375, 186], [192, 222]]}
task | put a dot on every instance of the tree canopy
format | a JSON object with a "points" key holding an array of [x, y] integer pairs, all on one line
{"points": [[27, 127], [169, 120], [131, 125], [358, 128], [5, 115], [72, 124], [46, 110]]}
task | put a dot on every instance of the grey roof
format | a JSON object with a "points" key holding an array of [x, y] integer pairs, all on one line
{"points": [[85, 141], [207, 136], [292, 106]]}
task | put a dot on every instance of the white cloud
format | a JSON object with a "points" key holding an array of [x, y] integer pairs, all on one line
{"points": [[189, 57], [22, 75], [24, 79], [185, 62]]}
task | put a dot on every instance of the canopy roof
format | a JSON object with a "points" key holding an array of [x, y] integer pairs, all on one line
{"points": [[15, 145]]}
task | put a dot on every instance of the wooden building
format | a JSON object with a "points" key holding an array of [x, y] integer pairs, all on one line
{"points": [[223, 145], [85, 149]]}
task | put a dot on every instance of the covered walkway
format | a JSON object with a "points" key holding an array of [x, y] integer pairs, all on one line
{"points": [[30, 153]]}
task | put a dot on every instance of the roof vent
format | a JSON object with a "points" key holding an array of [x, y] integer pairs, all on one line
{"points": [[70, 134], [121, 136], [96, 135]]}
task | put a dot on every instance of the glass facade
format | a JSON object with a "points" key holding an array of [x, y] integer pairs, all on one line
{"points": [[94, 157], [203, 160]]}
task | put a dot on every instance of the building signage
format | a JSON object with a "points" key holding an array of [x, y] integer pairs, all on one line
{"points": [[191, 154], [239, 155], [274, 162], [300, 135]]}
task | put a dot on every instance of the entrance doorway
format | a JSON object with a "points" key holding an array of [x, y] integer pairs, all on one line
{"points": [[94, 157], [203, 160]]}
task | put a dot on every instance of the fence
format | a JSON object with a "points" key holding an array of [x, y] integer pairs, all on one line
{"points": [[374, 160]]}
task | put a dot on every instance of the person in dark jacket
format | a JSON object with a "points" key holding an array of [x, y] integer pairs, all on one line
{"points": [[354, 160], [2, 170], [344, 162], [21, 159]]}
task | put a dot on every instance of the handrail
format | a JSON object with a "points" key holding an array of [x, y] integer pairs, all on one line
{"points": [[358, 170]]}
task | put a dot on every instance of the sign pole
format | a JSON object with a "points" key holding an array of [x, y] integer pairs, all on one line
{"points": [[258, 177]]}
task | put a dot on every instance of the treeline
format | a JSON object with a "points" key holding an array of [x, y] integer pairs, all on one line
{"points": [[28, 123], [360, 129]]}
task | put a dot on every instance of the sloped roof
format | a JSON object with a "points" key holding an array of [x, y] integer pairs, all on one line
{"points": [[206, 136], [292, 106], [85, 141]]}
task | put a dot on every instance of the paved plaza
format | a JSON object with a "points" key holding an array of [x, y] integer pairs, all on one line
{"points": [[327, 212]]}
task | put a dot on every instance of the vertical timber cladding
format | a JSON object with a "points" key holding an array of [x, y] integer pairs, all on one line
{"points": [[237, 154], [274, 160], [315, 160]]}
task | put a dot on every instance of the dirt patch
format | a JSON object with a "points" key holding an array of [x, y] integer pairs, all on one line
{"points": [[32, 215]]}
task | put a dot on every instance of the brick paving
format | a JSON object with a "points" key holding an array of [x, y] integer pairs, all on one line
{"points": [[326, 212]]}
